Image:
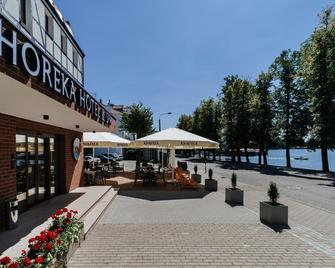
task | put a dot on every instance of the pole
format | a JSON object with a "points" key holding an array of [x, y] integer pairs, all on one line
{"points": [[93, 157], [108, 155]]}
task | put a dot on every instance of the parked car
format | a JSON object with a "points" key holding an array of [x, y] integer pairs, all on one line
{"points": [[90, 159], [117, 156], [114, 156], [104, 158]]}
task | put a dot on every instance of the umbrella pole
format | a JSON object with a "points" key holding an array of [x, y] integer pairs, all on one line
{"points": [[108, 155], [93, 157], [173, 161]]}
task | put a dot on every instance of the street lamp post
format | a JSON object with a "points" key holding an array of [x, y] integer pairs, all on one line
{"points": [[160, 128]]}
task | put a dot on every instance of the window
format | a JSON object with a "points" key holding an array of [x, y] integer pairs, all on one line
{"points": [[49, 26], [25, 14], [75, 58], [64, 43]]}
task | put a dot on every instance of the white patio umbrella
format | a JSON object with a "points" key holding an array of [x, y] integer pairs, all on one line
{"points": [[174, 138], [103, 140]]}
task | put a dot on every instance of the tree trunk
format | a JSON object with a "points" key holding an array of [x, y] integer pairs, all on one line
{"points": [[233, 156], [324, 155], [287, 129], [288, 156], [246, 155], [260, 155], [239, 155], [265, 159]]}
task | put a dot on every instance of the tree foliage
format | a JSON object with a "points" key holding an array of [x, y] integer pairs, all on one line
{"points": [[318, 70], [290, 98], [138, 119]]}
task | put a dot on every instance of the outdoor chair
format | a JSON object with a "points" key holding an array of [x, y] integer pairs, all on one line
{"points": [[184, 181]]}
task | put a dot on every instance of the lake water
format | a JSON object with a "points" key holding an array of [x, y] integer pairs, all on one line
{"points": [[277, 158]]}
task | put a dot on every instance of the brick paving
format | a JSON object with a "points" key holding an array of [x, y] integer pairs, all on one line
{"points": [[193, 229]]}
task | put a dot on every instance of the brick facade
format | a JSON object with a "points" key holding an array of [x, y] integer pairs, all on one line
{"points": [[8, 128]]}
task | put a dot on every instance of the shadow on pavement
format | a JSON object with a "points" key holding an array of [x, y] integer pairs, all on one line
{"points": [[277, 228], [164, 195], [34, 217]]}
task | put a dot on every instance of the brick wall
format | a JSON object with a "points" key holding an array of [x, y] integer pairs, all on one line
{"points": [[8, 127]]}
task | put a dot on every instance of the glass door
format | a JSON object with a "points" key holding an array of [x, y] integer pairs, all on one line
{"points": [[35, 169], [52, 175], [31, 170], [41, 181], [21, 170]]}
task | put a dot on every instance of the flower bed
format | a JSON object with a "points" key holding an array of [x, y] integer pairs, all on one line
{"points": [[53, 246]]}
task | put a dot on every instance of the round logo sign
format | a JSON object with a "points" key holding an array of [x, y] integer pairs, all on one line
{"points": [[76, 148]]}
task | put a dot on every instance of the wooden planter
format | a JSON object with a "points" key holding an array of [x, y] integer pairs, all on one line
{"points": [[273, 214], [62, 262], [211, 185], [196, 177], [234, 196]]}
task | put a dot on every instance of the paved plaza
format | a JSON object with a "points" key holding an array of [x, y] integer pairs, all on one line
{"points": [[198, 229]]}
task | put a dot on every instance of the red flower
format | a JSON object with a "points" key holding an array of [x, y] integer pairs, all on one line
{"points": [[31, 240], [14, 265], [59, 242], [52, 235], [26, 261], [39, 260], [66, 221], [65, 210], [69, 215], [48, 247], [42, 238], [59, 230], [23, 252], [74, 211], [36, 247], [5, 260]]}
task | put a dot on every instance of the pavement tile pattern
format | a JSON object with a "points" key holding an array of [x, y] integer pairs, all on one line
{"points": [[195, 229]]}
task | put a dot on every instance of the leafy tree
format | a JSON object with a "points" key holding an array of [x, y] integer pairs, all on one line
{"points": [[138, 119], [262, 115], [236, 114], [185, 122], [290, 101], [318, 69]]}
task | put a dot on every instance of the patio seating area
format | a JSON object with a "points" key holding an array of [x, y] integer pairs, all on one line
{"points": [[146, 176]]}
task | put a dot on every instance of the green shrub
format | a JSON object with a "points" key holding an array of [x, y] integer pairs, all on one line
{"points": [[196, 169], [273, 193], [210, 173], [233, 180]]}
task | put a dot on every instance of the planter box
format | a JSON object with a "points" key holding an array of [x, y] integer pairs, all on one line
{"points": [[234, 196], [273, 215], [196, 177], [211, 185], [60, 263]]}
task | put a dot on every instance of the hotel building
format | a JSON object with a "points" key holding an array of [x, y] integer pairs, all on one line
{"points": [[44, 108]]}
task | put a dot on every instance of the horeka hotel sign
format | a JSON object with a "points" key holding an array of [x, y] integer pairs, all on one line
{"points": [[31, 60]]}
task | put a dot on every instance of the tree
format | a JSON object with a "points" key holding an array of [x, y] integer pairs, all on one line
{"points": [[290, 101], [138, 119], [185, 122], [262, 115], [318, 69], [236, 116]]}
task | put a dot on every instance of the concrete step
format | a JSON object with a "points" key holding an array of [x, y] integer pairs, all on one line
{"points": [[95, 212]]}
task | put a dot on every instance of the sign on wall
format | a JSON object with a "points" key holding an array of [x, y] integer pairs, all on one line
{"points": [[35, 63], [76, 149]]}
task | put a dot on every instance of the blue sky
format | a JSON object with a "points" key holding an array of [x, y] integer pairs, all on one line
{"points": [[171, 54]]}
